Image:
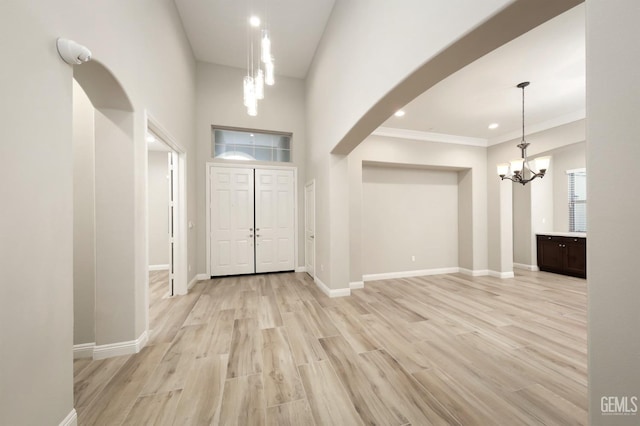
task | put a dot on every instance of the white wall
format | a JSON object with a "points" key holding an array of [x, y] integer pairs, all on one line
{"points": [[37, 215], [84, 249], [158, 208], [409, 212], [542, 207], [613, 103], [468, 163], [533, 206], [522, 235], [36, 253], [353, 69], [568, 158], [219, 102]]}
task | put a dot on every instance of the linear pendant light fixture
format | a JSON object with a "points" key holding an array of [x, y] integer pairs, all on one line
{"points": [[256, 78], [519, 169]]}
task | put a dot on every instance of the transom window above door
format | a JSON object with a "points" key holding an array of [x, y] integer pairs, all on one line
{"points": [[250, 145]]}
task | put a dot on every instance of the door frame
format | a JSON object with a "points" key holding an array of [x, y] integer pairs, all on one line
{"points": [[236, 165], [311, 183], [181, 269]]}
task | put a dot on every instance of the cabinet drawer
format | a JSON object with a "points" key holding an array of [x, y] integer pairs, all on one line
{"points": [[574, 240], [551, 238], [559, 239]]}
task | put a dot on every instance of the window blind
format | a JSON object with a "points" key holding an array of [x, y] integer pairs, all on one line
{"points": [[577, 180]]}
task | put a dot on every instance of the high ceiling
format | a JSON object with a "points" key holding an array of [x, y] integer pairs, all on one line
{"points": [[551, 57], [218, 30]]}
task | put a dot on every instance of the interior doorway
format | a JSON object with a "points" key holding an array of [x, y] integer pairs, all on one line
{"points": [[310, 228], [166, 211], [160, 201]]}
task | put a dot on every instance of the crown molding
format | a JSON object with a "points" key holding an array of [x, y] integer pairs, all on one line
{"points": [[419, 135], [540, 127]]}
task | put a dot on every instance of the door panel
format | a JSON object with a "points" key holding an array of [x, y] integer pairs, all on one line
{"points": [[172, 163], [309, 227], [274, 220], [232, 241]]}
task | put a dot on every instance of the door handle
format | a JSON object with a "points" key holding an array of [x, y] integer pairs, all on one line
{"points": [[312, 237], [250, 235], [257, 235]]}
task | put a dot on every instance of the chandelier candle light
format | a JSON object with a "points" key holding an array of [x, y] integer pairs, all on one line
{"points": [[518, 169], [255, 80]]}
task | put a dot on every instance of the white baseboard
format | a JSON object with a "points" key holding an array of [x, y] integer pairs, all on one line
{"points": [[158, 267], [501, 274], [121, 348], [301, 269], [83, 350], [356, 284], [409, 274], [192, 283], [71, 419], [203, 277], [474, 273], [340, 292], [533, 268]]}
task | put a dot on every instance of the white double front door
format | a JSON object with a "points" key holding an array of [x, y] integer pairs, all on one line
{"points": [[251, 220]]}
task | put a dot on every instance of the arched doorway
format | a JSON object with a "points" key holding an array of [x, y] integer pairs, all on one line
{"points": [[107, 220]]}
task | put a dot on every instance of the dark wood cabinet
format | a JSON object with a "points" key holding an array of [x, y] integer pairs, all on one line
{"points": [[563, 255]]}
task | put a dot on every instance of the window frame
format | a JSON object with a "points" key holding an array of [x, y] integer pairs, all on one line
{"points": [[274, 150]]}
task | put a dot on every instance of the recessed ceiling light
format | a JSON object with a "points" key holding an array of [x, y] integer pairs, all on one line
{"points": [[493, 126], [399, 113], [254, 21]]}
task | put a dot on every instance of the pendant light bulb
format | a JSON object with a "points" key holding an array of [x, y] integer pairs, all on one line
{"points": [[249, 91], [265, 45], [269, 75], [503, 169], [517, 165]]}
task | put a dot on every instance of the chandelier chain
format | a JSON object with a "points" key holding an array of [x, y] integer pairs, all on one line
{"points": [[523, 113]]}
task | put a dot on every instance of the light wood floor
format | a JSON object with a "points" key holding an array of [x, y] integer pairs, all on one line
{"points": [[272, 349]]}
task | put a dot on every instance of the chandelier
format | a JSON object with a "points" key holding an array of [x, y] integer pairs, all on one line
{"points": [[520, 170], [259, 70]]}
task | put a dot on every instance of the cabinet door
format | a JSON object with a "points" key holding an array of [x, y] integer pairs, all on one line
{"points": [[575, 257], [550, 254]]}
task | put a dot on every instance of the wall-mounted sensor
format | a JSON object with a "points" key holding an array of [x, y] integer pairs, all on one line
{"points": [[72, 52]]}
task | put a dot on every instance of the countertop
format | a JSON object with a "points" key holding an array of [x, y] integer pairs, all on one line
{"points": [[565, 234]]}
